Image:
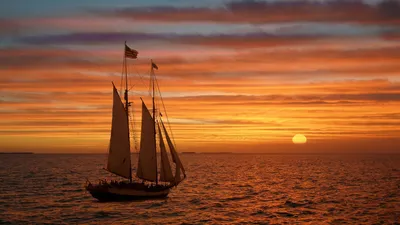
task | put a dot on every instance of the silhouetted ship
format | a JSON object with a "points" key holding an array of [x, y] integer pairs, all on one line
{"points": [[147, 183]]}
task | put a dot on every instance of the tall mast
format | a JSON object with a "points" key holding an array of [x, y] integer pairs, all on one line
{"points": [[126, 85], [154, 114], [127, 103]]}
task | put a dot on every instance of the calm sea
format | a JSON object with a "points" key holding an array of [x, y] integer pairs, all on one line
{"points": [[220, 189]]}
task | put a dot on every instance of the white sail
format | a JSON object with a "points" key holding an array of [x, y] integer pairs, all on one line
{"points": [[165, 172], [147, 165], [175, 158], [119, 156]]}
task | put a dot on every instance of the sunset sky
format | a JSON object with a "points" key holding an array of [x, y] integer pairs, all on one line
{"points": [[235, 75]]}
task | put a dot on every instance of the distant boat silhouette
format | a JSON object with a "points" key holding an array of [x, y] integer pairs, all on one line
{"points": [[157, 185]]}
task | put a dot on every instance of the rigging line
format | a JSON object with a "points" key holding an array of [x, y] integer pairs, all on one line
{"points": [[132, 82], [132, 119], [141, 78], [150, 82], [130, 133], [122, 77], [162, 101], [133, 124], [108, 152], [138, 93]]}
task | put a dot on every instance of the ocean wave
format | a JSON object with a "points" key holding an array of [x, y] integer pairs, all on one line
{"points": [[297, 204], [285, 214], [237, 198], [195, 201], [155, 205], [104, 214]]}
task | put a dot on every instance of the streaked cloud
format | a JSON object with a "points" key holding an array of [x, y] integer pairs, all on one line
{"points": [[238, 40], [250, 11]]}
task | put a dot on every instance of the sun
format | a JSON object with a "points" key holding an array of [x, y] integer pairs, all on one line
{"points": [[299, 139]]}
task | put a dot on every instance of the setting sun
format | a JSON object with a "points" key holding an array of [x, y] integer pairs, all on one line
{"points": [[299, 139]]}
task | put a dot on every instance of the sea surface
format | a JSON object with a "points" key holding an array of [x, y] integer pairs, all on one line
{"points": [[219, 189]]}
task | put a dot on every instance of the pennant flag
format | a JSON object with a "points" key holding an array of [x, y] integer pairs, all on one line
{"points": [[154, 65], [130, 53]]}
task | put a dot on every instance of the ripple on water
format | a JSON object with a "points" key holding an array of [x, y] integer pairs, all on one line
{"points": [[298, 204], [285, 214], [218, 205], [104, 214], [237, 198], [195, 201], [155, 205], [258, 212], [307, 212]]}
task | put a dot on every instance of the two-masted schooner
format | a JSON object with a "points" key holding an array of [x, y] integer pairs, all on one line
{"points": [[152, 180]]}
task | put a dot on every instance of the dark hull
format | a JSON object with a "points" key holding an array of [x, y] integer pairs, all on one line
{"points": [[106, 192], [111, 197]]}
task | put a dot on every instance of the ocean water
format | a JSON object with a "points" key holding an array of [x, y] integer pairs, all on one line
{"points": [[220, 189]]}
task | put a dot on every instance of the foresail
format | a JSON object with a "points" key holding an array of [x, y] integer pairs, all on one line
{"points": [[165, 172], [147, 165], [119, 158], [175, 158]]}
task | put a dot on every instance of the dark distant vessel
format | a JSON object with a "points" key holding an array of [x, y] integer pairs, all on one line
{"points": [[147, 183]]}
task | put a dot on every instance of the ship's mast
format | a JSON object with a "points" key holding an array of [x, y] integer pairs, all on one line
{"points": [[154, 113], [127, 103]]}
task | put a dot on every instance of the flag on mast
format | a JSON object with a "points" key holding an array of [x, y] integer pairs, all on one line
{"points": [[130, 53], [154, 65]]}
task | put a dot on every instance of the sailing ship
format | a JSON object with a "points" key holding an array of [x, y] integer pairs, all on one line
{"points": [[148, 182]]}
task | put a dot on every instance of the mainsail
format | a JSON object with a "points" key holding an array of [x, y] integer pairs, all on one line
{"points": [[166, 172], [119, 156], [175, 158], [147, 165]]}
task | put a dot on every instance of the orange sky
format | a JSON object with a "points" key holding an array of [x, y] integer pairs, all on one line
{"points": [[230, 83]]}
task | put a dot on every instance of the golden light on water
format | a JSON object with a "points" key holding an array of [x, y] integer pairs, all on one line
{"points": [[299, 139]]}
